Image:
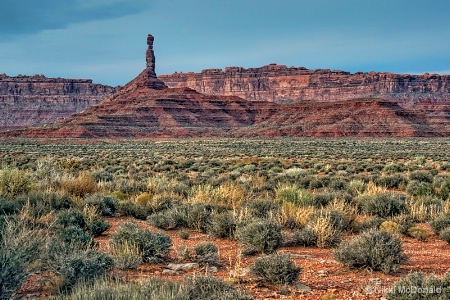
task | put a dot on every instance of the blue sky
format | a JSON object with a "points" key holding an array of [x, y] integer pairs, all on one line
{"points": [[106, 39]]}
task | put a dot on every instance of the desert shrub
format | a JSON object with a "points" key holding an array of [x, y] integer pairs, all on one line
{"points": [[322, 199], [9, 207], [326, 227], [95, 223], [83, 266], [71, 238], [374, 249], [440, 223], [79, 186], [207, 252], [372, 222], [404, 221], [444, 234], [393, 168], [390, 227], [169, 219], [418, 286], [152, 288], [13, 182], [276, 269], [152, 246], [306, 237], [338, 183], [126, 255], [418, 233], [262, 208], [294, 194], [356, 187], [445, 190], [130, 208], [223, 225], [262, 236], [336, 219], [209, 287], [20, 245], [419, 188], [183, 234], [105, 204], [421, 176], [382, 204], [392, 181], [71, 217], [424, 208], [198, 216]]}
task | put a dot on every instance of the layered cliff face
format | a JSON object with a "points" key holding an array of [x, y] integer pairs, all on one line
{"points": [[278, 83], [145, 107], [34, 100]]}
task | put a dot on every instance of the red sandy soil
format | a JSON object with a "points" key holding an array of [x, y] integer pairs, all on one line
{"points": [[431, 256]]}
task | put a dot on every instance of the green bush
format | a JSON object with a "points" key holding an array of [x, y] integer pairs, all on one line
{"points": [[207, 252], [372, 222], [445, 235], [392, 181], [69, 239], [382, 204], [421, 176], [13, 182], [20, 245], [71, 217], [276, 269], [417, 286], [9, 207], [262, 236], [440, 223], [374, 249], [83, 266], [105, 204], [223, 225], [418, 233], [294, 194], [404, 221], [152, 288], [129, 208], [209, 287], [183, 234], [306, 237], [262, 208], [152, 246], [419, 188]]}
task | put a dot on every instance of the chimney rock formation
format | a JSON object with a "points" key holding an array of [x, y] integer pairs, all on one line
{"points": [[151, 81]]}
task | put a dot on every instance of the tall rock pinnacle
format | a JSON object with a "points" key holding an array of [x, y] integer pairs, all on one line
{"points": [[150, 55], [151, 81]]}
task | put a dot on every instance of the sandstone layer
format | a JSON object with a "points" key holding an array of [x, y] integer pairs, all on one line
{"points": [[278, 83], [145, 107], [34, 100]]}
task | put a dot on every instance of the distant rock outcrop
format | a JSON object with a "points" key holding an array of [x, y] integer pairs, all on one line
{"points": [[278, 83], [146, 108], [33, 100]]}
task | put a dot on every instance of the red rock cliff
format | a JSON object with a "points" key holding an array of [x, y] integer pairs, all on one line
{"points": [[278, 83], [33, 100]]}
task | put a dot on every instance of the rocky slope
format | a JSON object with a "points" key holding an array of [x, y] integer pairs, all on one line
{"points": [[145, 107], [279, 83], [33, 100]]}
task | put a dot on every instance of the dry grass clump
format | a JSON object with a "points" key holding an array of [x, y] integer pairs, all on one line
{"points": [[79, 186]]}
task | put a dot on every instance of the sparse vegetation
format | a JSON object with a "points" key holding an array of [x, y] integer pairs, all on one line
{"points": [[259, 196]]}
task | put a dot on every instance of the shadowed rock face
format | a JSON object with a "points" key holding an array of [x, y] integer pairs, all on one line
{"points": [[146, 108], [33, 100], [278, 83]]}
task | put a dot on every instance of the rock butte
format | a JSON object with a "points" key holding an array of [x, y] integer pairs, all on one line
{"points": [[145, 107], [279, 83], [33, 100]]}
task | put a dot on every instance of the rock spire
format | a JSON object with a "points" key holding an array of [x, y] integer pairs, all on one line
{"points": [[151, 81]]}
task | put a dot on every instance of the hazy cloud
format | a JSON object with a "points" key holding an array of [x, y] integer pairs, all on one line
{"points": [[31, 16]]}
